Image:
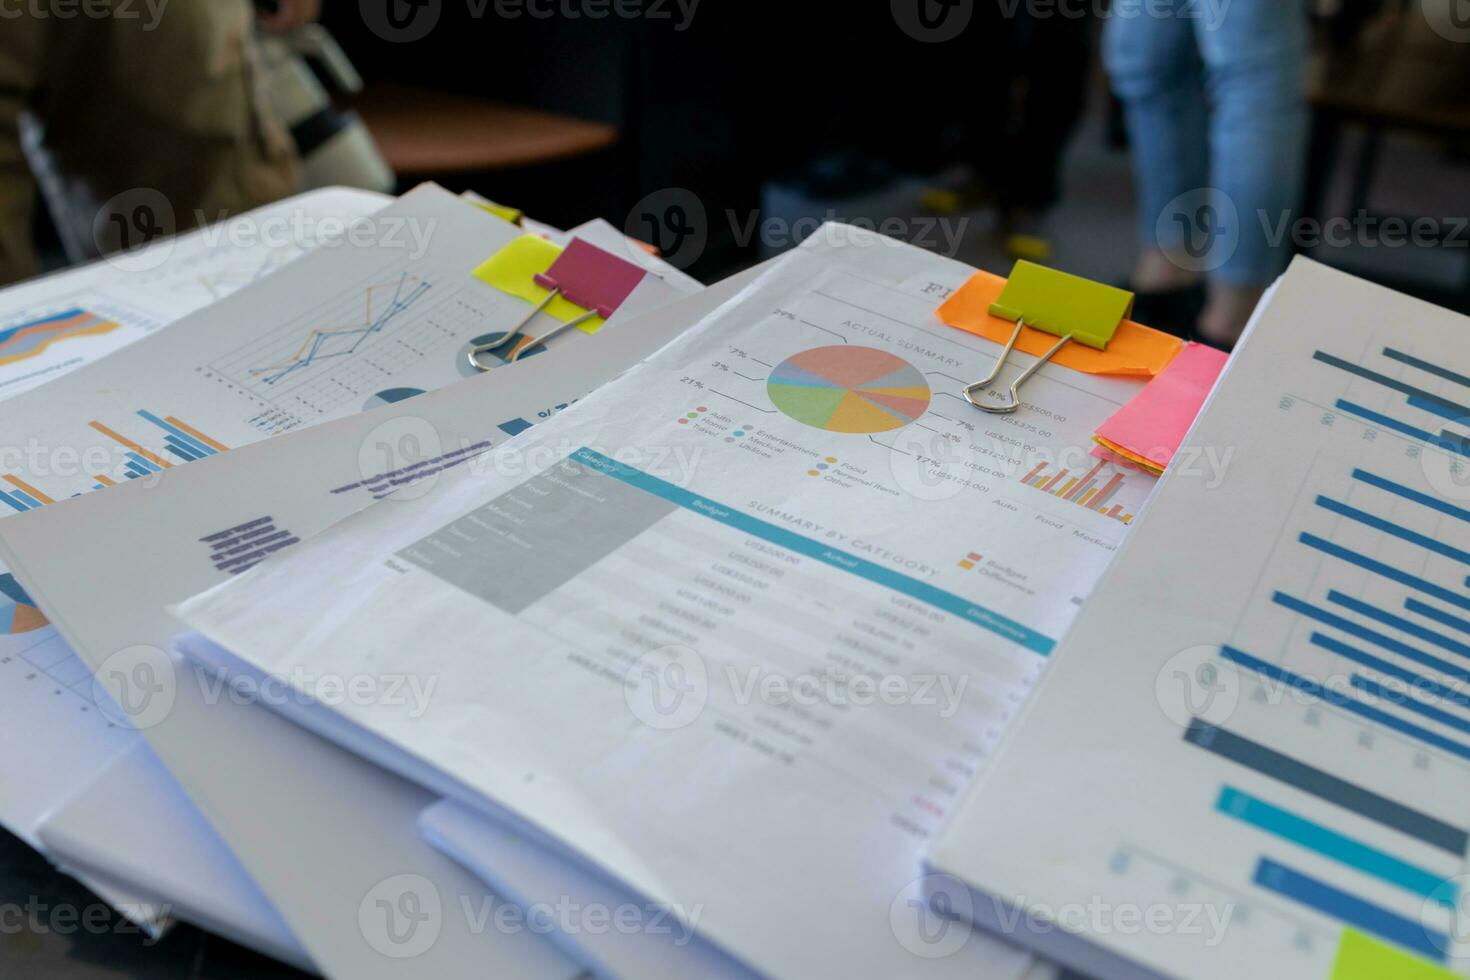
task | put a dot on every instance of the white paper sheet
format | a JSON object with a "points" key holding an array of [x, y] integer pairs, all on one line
{"points": [[613, 931], [739, 626], [1251, 752]]}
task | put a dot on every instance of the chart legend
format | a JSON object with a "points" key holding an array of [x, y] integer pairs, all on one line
{"points": [[826, 464]]}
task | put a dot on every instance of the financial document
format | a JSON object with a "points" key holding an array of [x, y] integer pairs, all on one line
{"points": [[46, 443], [54, 325], [1252, 755], [739, 627], [49, 328]]}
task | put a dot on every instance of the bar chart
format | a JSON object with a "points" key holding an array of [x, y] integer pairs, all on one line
{"points": [[176, 442], [1357, 647], [1094, 488]]}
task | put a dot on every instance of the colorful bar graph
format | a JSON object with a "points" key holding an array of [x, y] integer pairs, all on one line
{"points": [[1438, 615], [1085, 483], [1396, 530], [1351, 705], [1404, 428], [1327, 842], [1387, 669], [1371, 636], [1439, 371], [1387, 571], [1328, 788], [1080, 490], [180, 440], [1409, 703], [177, 434], [1398, 489], [15, 502], [1351, 910], [1106, 493], [1434, 408], [1393, 384], [1399, 623], [183, 450], [195, 433], [124, 441], [28, 490]]}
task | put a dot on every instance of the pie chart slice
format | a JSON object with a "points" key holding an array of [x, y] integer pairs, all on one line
{"points": [[391, 397], [854, 390], [17, 613]]}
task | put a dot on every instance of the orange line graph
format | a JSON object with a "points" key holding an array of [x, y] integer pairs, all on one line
{"points": [[368, 318]]}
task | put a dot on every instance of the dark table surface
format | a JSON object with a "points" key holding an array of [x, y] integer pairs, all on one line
{"points": [[52, 928]]}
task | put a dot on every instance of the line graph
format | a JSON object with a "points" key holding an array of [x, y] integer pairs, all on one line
{"points": [[400, 326], [325, 343]]}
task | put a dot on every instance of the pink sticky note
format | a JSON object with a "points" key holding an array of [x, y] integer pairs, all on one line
{"points": [[591, 278], [1155, 423]]}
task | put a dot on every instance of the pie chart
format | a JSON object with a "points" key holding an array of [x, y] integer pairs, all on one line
{"points": [[17, 613], [391, 397], [856, 390]]}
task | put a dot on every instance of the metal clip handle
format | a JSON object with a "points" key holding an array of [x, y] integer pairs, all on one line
{"points": [[1015, 403], [529, 342]]}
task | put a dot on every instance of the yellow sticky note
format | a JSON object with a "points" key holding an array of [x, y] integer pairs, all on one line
{"points": [[513, 270], [1361, 957], [501, 211]]}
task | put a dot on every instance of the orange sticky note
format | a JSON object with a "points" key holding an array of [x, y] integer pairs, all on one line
{"points": [[1136, 351], [1150, 428], [1119, 456]]}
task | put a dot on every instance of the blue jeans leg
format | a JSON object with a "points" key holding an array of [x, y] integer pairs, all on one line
{"points": [[1255, 77], [1216, 106], [1155, 68]]}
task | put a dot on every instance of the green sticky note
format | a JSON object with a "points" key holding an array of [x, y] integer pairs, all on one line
{"points": [[1061, 303], [514, 269], [1361, 957]]}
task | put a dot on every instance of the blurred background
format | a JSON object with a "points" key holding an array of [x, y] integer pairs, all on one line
{"points": [[1082, 133]]}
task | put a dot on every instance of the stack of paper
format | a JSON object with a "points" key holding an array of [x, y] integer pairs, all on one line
{"points": [[672, 645], [764, 510], [163, 859]]}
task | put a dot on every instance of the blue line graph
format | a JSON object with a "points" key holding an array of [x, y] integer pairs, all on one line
{"points": [[325, 344]]}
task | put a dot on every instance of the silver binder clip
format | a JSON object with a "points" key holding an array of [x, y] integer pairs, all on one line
{"points": [[517, 333], [1015, 403]]}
